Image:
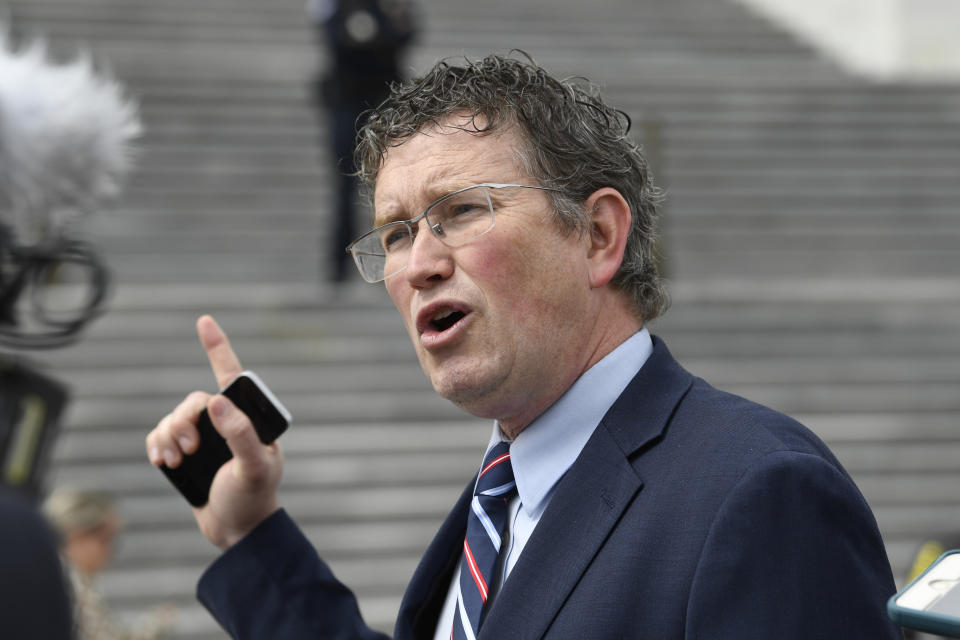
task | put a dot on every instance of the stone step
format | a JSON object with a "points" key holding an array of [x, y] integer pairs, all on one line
{"points": [[811, 226]]}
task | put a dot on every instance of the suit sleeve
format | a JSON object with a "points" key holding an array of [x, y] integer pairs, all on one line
{"points": [[794, 553], [272, 584]]}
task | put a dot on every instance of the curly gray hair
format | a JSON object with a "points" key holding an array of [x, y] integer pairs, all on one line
{"points": [[571, 141]]}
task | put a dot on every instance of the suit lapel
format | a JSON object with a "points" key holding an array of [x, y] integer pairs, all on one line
{"points": [[588, 502], [423, 600], [581, 514]]}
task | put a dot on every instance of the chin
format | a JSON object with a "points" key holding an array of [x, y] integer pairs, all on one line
{"points": [[470, 389]]}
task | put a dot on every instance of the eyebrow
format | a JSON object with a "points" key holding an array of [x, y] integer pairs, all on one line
{"points": [[435, 192], [380, 220]]}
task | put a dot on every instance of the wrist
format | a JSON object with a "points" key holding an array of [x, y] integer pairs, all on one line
{"points": [[234, 536]]}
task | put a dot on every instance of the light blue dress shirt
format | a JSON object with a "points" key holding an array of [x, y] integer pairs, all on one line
{"points": [[543, 452]]}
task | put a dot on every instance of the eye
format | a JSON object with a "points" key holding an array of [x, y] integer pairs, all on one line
{"points": [[460, 209], [394, 238], [463, 209]]}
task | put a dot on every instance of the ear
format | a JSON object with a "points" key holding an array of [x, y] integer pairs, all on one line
{"points": [[609, 227]]}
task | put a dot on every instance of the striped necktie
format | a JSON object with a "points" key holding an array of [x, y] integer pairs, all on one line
{"points": [[485, 524]]}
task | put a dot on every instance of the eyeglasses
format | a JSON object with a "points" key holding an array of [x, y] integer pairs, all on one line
{"points": [[456, 219]]}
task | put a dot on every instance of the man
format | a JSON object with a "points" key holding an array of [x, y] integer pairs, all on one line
{"points": [[624, 498]]}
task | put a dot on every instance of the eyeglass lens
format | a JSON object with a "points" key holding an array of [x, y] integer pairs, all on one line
{"points": [[455, 220]]}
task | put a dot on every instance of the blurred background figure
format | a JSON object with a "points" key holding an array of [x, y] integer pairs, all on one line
{"points": [[364, 41], [88, 526], [33, 597]]}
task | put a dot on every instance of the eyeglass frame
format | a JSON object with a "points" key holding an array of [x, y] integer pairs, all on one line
{"points": [[410, 222]]}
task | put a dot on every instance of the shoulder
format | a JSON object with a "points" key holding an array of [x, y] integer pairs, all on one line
{"points": [[32, 535], [679, 421], [744, 427]]}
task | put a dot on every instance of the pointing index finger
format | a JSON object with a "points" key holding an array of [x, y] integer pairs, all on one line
{"points": [[224, 362]]}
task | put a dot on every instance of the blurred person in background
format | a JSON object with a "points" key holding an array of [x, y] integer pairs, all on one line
{"points": [[33, 595], [364, 41], [88, 526]]}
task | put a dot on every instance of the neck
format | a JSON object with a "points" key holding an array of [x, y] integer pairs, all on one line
{"points": [[604, 340]]}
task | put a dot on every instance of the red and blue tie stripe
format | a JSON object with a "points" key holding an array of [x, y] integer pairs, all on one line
{"points": [[481, 547]]}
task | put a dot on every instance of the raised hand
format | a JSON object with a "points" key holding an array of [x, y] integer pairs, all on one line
{"points": [[244, 491]]}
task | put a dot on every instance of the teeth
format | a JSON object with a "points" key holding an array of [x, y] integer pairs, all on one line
{"points": [[442, 315]]}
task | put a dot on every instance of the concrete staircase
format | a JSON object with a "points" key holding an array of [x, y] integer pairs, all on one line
{"points": [[811, 236]]}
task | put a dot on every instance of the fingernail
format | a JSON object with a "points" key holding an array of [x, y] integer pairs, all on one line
{"points": [[185, 442], [155, 457]]}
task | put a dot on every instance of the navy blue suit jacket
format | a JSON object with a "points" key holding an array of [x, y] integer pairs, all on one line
{"points": [[690, 513]]}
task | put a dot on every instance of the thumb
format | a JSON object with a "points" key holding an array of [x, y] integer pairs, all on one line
{"points": [[241, 437]]}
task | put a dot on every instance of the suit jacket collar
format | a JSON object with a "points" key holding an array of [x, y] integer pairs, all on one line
{"points": [[643, 410], [588, 502]]}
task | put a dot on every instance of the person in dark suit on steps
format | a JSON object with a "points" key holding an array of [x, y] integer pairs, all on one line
{"points": [[364, 41], [621, 496]]}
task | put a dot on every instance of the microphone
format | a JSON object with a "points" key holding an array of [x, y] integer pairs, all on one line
{"points": [[66, 130]]}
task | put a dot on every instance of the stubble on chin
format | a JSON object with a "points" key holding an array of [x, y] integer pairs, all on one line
{"points": [[470, 386]]}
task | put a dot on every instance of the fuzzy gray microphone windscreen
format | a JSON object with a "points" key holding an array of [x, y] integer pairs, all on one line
{"points": [[66, 130]]}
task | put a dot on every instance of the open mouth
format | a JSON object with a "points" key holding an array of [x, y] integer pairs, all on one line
{"points": [[439, 321], [444, 320]]}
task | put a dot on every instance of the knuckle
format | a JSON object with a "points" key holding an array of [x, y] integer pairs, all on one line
{"points": [[197, 397], [161, 430], [193, 404], [230, 421]]}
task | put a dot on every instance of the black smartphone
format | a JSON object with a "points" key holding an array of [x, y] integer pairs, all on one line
{"points": [[269, 417]]}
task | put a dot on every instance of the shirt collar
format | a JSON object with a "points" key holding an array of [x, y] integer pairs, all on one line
{"points": [[543, 452]]}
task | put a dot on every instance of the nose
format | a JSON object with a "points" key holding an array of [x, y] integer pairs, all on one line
{"points": [[430, 260]]}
